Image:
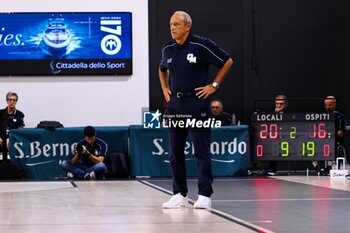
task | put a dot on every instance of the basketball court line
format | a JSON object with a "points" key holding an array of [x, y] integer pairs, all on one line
{"points": [[29, 186], [284, 199], [318, 181], [217, 179], [219, 213]]}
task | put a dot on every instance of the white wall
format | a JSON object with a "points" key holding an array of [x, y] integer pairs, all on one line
{"points": [[89, 100]]}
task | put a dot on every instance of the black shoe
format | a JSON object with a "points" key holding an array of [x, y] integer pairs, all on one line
{"points": [[87, 176], [317, 168], [263, 172], [322, 172]]}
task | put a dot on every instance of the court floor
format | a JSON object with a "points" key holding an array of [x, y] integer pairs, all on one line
{"points": [[262, 204]]}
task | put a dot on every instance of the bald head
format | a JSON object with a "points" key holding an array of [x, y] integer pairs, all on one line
{"points": [[216, 107], [185, 17], [330, 103], [281, 103], [180, 26]]}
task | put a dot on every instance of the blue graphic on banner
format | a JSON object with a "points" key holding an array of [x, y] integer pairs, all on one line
{"points": [[66, 43], [65, 35]]}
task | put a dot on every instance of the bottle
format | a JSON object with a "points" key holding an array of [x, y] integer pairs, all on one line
{"points": [[334, 166], [233, 119]]}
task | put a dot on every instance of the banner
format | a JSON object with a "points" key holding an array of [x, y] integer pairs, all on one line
{"points": [[63, 43], [230, 151], [39, 151]]}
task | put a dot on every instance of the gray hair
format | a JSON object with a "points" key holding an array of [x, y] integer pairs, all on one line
{"points": [[331, 97], [219, 101], [281, 97], [11, 93], [186, 17]]}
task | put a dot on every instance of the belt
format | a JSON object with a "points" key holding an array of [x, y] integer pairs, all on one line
{"points": [[184, 94]]}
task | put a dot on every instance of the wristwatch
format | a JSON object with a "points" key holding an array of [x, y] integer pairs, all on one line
{"points": [[215, 85]]}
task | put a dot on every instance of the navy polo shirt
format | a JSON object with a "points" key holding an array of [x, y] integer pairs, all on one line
{"points": [[99, 148], [14, 120], [188, 64], [340, 123]]}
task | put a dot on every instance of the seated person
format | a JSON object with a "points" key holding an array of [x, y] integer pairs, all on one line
{"points": [[330, 105], [218, 113], [87, 162], [14, 118], [281, 104]]}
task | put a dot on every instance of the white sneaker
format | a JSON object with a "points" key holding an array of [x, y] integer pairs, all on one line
{"points": [[90, 176], [70, 175], [93, 175], [203, 202], [176, 201]]}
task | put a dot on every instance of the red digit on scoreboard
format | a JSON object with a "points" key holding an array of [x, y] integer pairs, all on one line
{"points": [[273, 131], [322, 130], [319, 130], [259, 150], [326, 150], [268, 130], [263, 131]]}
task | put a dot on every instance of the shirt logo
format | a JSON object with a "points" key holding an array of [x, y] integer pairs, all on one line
{"points": [[191, 58], [169, 60]]}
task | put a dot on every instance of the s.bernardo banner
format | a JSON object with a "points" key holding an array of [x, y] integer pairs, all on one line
{"points": [[149, 151], [40, 151], [66, 43]]}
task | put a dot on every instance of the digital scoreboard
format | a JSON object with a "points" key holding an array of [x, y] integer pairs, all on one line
{"points": [[294, 136]]}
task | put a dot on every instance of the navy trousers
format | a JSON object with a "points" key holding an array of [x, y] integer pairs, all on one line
{"points": [[201, 143]]}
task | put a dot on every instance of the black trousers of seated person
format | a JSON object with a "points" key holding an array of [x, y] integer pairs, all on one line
{"points": [[272, 166]]}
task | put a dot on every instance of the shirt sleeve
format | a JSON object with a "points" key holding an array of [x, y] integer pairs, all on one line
{"points": [[21, 121], [163, 65], [104, 148], [342, 121], [215, 55]]}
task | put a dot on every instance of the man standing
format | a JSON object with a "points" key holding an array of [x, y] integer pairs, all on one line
{"points": [[183, 74]]}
